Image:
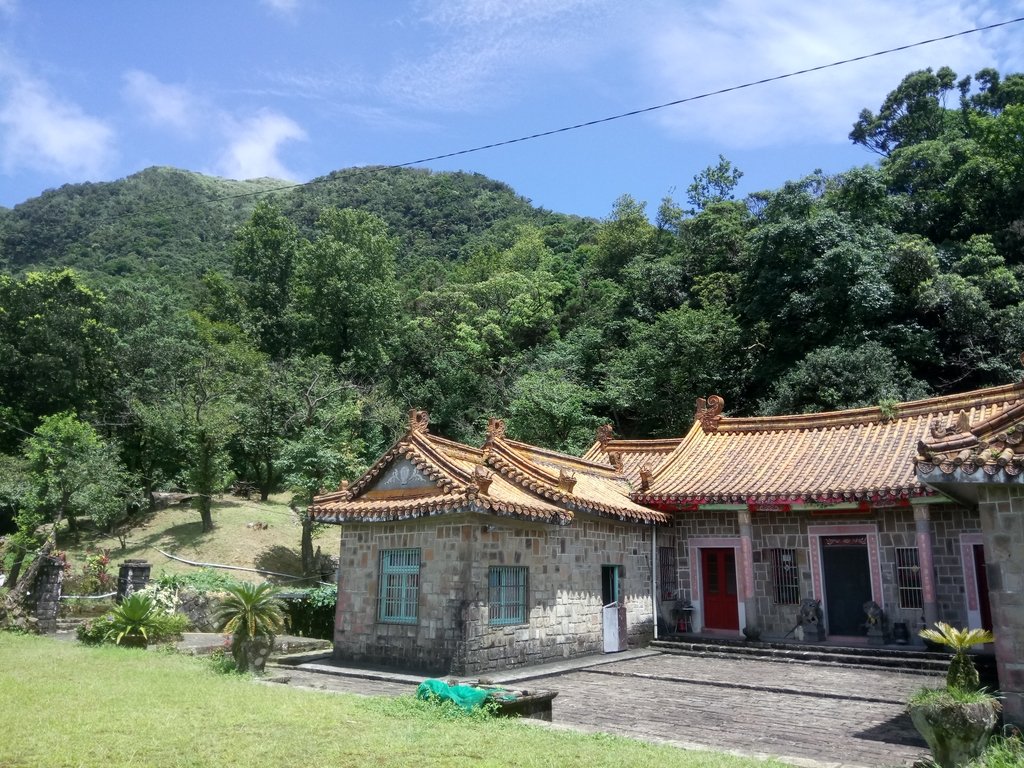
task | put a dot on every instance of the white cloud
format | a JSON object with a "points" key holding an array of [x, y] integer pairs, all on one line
{"points": [[41, 131], [286, 7], [486, 51], [731, 42], [255, 144], [162, 104]]}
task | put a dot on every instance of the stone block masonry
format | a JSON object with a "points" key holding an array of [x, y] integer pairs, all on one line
{"points": [[453, 632]]}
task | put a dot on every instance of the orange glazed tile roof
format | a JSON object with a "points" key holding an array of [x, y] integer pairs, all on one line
{"points": [[842, 456], [504, 478], [630, 456]]}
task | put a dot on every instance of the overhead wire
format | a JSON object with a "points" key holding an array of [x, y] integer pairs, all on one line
{"points": [[366, 170]]}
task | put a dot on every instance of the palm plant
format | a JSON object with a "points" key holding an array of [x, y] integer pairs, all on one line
{"points": [[133, 620], [253, 615], [962, 673]]}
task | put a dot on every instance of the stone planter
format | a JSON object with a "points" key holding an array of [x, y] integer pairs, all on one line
{"points": [[251, 654], [134, 641], [956, 732]]}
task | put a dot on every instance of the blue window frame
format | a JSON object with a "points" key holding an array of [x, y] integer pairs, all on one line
{"points": [[506, 595], [399, 585]]}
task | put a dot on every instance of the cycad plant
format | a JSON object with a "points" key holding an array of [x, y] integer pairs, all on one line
{"points": [[962, 673], [133, 620], [253, 615]]}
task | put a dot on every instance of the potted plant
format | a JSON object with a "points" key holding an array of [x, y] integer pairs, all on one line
{"points": [[132, 622], [252, 615], [957, 720]]}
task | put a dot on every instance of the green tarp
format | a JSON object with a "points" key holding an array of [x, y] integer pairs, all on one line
{"points": [[466, 696]]}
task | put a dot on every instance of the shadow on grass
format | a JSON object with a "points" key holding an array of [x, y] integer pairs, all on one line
{"points": [[280, 559]]}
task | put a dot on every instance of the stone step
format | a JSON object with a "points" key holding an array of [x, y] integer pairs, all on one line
{"points": [[865, 657]]}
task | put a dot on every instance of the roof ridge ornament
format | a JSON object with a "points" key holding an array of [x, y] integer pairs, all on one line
{"points": [[495, 429], [483, 478], [615, 458], [960, 426], [605, 434], [646, 473], [419, 421], [566, 480], [709, 412]]}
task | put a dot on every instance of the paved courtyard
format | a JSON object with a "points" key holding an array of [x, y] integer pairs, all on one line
{"points": [[804, 714]]}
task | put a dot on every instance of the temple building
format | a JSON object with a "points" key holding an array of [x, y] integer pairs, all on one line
{"points": [[836, 527]]}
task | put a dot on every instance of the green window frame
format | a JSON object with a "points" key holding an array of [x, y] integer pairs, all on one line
{"points": [[399, 586], [506, 594]]}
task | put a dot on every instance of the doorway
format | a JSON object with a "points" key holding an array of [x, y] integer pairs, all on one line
{"points": [[847, 573], [718, 580], [981, 579], [610, 584]]}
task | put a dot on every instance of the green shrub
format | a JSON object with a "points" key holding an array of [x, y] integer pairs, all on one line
{"points": [[94, 631], [204, 580], [312, 614], [168, 626]]}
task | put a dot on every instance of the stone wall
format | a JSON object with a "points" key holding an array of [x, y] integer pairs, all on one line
{"points": [[452, 633], [1002, 520]]}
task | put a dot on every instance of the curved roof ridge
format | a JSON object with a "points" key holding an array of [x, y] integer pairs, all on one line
{"points": [[575, 461], [862, 416]]}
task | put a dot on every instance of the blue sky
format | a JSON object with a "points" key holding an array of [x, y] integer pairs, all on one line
{"points": [[94, 91]]}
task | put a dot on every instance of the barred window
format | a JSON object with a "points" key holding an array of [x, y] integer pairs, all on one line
{"points": [[908, 577], [785, 577], [506, 594], [399, 585], [668, 572]]}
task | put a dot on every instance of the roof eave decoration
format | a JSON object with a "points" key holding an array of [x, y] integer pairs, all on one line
{"points": [[993, 445], [709, 412], [878, 497]]}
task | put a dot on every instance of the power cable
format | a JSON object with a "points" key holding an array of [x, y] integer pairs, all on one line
{"points": [[578, 126]]}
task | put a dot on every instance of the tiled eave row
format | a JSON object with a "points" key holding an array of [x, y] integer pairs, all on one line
{"points": [[876, 496], [391, 511]]}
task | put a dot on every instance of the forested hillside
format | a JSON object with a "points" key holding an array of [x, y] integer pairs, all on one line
{"points": [[280, 338]]}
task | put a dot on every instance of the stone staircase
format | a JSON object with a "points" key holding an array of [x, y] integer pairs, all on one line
{"points": [[902, 658]]}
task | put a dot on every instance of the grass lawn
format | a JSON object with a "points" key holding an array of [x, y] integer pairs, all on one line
{"points": [[178, 530], [62, 704]]}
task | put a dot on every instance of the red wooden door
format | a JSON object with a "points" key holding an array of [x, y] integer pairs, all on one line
{"points": [[718, 575]]}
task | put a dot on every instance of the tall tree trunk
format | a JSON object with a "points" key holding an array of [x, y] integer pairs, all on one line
{"points": [[308, 565]]}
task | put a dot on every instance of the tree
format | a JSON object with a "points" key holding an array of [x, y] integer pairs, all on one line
{"points": [[203, 401], [715, 184], [344, 292], [264, 257], [55, 349], [914, 112]]}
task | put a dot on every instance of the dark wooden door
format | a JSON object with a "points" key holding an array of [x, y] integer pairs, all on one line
{"points": [[981, 579], [847, 586], [718, 573]]}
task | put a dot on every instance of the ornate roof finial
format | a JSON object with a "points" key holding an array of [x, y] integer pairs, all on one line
{"points": [[709, 412], [605, 433], [645, 477], [418, 421], [566, 480], [483, 478], [615, 457], [495, 429], [963, 422]]}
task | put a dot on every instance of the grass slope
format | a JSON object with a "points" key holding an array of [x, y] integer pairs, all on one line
{"points": [[178, 531], [68, 705]]}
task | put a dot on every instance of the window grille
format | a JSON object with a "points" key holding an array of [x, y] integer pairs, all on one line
{"points": [[785, 577], [668, 572], [506, 595], [399, 585], [908, 577]]}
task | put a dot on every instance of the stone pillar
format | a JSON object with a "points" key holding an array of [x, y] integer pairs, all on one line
{"points": [[747, 557], [1002, 523], [923, 525], [46, 594], [132, 576]]}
